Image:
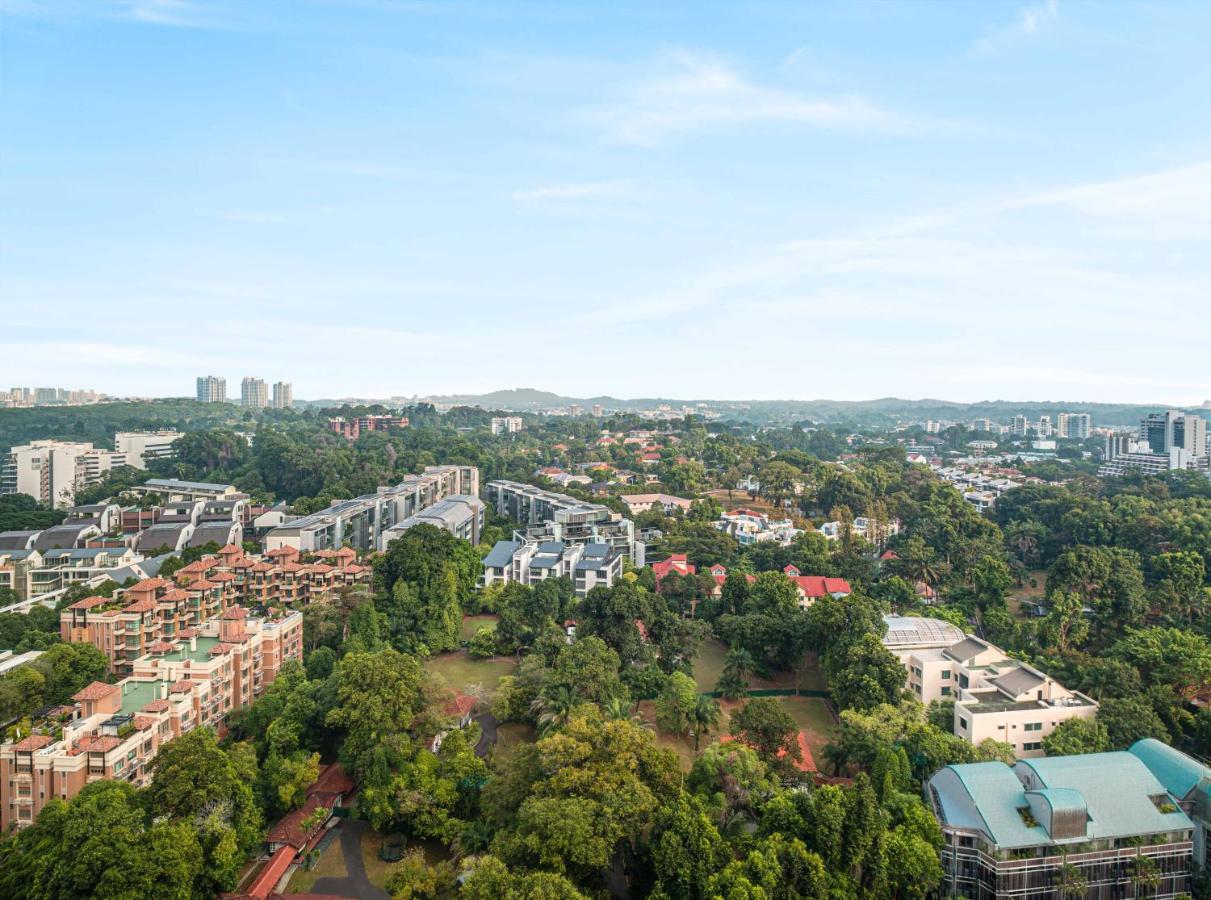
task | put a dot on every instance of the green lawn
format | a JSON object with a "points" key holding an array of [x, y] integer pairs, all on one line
{"points": [[472, 624], [510, 734], [814, 719], [461, 671], [331, 863], [708, 664]]}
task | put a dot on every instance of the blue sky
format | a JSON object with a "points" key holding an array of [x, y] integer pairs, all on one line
{"points": [[364, 197]]}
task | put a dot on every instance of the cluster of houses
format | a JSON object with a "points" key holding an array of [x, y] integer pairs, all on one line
{"points": [[979, 486]]}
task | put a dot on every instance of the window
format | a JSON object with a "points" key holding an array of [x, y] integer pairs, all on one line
{"points": [[946, 675], [1032, 745], [1033, 726], [962, 723], [946, 691]]}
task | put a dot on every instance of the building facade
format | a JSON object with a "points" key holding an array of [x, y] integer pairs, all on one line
{"points": [[212, 389], [254, 394], [548, 516], [1103, 824], [114, 731], [995, 697], [283, 395]]}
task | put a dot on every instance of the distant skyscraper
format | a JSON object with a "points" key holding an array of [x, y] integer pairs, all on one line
{"points": [[1044, 427], [1075, 426], [283, 395], [1019, 425], [253, 393], [212, 389], [598, 411], [1171, 430]]}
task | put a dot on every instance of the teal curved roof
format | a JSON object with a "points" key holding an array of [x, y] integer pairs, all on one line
{"points": [[1179, 773], [1060, 799]]}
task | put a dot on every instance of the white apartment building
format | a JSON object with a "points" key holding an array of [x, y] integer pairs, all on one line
{"points": [[460, 514], [1074, 426], [506, 424], [50, 471], [995, 696], [137, 447], [212, 389], [283, 395], [253, 393], [547, 516], [529, 562]]}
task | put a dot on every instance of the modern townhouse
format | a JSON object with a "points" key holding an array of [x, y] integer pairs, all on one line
{"points": [[114, 731], [1104, 823], [548, 516], [995, 696], [462, 515], [529, 562], [639, 503], [360, 522]]}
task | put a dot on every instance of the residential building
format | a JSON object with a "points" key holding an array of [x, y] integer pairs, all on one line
{"points": [[1018, 426], [114, 731], [749, 527], [33, 573], [1074, 426], [352, 428], [864, 527], [1186, 779], [1044, 426], [1169, 430], [138, 447], [529, 562], [283, 395], [460, 514], [995, 696], [362, 521], [813, 587], [639, 503], [598, 411], [1013, 831], [253, 393], [50, 471], [212, 389], [545, 515], [506, 424], [173, 489]]}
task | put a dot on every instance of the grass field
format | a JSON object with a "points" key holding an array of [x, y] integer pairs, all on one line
{"points": [[741, 500], [708, 666], [472, 624], [510, 734], [461, 671], [1027, 592], [330, 864], [814, 719]]}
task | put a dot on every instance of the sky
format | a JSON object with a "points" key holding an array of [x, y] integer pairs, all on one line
{"points": [[960, 200]]}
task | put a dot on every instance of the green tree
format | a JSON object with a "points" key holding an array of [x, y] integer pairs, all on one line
{"points": [[766, 726], [705, 718], [676, 703], [1127, 719], [1075, 736]]}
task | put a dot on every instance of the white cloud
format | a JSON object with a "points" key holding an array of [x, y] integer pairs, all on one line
{"points": [[573, 191], [705, 93], [1031, 22]]}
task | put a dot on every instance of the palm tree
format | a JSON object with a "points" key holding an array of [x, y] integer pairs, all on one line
{"points": [[616, 710], [553, 708], [704, 717], [474, 838], [1070, 884]]}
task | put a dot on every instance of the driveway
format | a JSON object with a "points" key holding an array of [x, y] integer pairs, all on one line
{"points": [[487, 723], [355, 884]]}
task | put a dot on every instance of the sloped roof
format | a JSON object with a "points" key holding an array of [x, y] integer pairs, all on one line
{"points": [[95, 691], [1179, 773]]}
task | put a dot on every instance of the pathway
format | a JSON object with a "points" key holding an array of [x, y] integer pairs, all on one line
{"points": [[355, 884]]}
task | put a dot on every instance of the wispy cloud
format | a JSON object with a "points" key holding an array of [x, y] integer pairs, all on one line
{"points": [[707, 93], [166, 13], [583, 190], [1031, 22]]}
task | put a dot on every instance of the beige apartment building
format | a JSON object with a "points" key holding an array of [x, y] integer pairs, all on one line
{"points": [[115, 730], [130, 624], [995, 696]]}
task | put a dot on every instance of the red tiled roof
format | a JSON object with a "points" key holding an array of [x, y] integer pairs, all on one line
{"points": [[889, 554], [282, 551], [235, 612], [150, 584], [222, 577], [143, 722], [176, 595], [97, 743], [269, 876], [144, 605], [806, 763], [182, 686], [95, 691], [231, 548], [354, 569], [676, 562], [263, 567], [160, 647], [459, 706], [89, 603], [333, 780], [156, 706], [33, 742], [819, 586], [201, 584], [289, 829]]}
